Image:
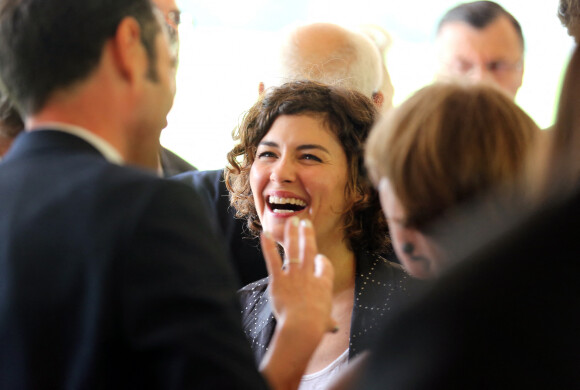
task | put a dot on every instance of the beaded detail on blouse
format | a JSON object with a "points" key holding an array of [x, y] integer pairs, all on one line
{"points": [[380, 286]]}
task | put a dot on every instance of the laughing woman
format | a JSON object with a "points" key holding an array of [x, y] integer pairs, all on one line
{"points": [[299, 155]]}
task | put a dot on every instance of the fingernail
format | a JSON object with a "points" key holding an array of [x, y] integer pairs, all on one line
{"points": [[295, 221], [267, 235], [335, 329], [306, 223]]}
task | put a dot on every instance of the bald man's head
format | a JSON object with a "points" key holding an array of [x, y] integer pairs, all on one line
{"points": [[334, 55]]}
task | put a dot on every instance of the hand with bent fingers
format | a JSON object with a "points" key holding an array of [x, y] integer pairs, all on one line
{"points": [[301, 298]]}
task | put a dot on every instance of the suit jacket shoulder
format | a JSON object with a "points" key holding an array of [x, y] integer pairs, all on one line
{"points": [[244, 249], [117, 271]]}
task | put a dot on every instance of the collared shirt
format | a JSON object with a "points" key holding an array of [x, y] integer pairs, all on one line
{"points": [[105, 148]]}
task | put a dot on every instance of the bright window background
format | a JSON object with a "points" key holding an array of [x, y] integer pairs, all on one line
{"points": [[228, 47]]}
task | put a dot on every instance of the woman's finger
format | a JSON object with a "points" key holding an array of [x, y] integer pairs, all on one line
{"points": [[271, 255], [308, 249], [291, 243]]}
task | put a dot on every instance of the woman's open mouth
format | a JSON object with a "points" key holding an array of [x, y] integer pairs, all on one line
{"points": [[280, 205]]}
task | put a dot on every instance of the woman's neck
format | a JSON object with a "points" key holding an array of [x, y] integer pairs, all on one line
{"points": [[344, 262]]}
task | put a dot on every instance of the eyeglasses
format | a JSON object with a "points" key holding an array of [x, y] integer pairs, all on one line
{"points": [[173, 18], [172, 21]]}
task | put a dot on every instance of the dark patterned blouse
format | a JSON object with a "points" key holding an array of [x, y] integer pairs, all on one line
{"points": [[380, 286]]}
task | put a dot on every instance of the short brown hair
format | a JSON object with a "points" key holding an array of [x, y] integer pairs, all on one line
{"points": [[447, 144], [47, 46], [480, 14], [349, 115]]}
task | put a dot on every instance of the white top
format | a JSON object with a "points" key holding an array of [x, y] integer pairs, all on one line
{"points": [[106, 149], [321, 379]]}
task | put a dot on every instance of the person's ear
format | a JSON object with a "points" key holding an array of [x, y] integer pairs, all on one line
{"points": [[261, 88], [130, 54], [378, 99]]}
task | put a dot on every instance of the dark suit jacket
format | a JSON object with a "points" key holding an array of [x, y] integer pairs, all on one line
{"points": [[172, 164], [505, 318], [110, 278], [245, 251]]}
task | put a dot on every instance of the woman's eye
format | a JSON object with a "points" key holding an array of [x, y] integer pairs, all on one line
{"points": [[266, 154], [311, 157]]}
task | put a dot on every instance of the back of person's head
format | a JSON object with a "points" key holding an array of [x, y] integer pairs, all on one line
{"points": [[50, 45], [333, 55], [448, 144], [349, 116], [569, 14], [479, 14]]}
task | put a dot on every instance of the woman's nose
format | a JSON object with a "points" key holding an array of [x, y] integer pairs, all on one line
{"points": [[283, 171]]}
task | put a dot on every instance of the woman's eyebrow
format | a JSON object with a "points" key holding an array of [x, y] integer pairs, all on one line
{"points": [[313, 146], [268, 143]]}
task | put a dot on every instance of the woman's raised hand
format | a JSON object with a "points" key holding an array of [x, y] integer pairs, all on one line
{"points": [[301, 287], [301, 298]]}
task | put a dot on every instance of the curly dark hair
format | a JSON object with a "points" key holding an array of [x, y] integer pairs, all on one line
{"points": [[349, 115]]}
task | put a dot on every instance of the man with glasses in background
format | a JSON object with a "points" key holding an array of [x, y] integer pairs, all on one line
{"points": [[170, 164]]}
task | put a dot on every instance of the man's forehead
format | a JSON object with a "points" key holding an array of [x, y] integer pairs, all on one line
{"points": [[498, 38]]}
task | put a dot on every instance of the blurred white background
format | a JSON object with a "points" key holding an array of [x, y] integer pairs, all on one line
{"points": [[229, 46]]}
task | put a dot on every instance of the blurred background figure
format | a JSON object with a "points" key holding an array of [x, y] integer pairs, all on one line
{"points": [[11, 124], [170, 164], [482, 42], [557, 169], [569, 14], [447, 146], [334, 55]]}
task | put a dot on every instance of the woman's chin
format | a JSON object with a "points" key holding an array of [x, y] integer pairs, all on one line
{"points": [[276, 232]]}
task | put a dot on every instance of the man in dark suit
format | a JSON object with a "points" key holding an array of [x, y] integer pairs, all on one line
{"points": [[172, 164], [109, 276], [244, 249]]}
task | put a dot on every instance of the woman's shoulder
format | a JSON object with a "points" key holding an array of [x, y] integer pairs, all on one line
{"points": [[255, 287], [372, 264], [253, 295], [377, 276], [257, 318]]}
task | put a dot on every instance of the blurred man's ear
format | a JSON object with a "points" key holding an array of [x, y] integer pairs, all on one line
{"points": [[261, 88], [378, 99]]}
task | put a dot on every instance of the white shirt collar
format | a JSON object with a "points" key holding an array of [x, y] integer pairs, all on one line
{"points": [[106, 149]]}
